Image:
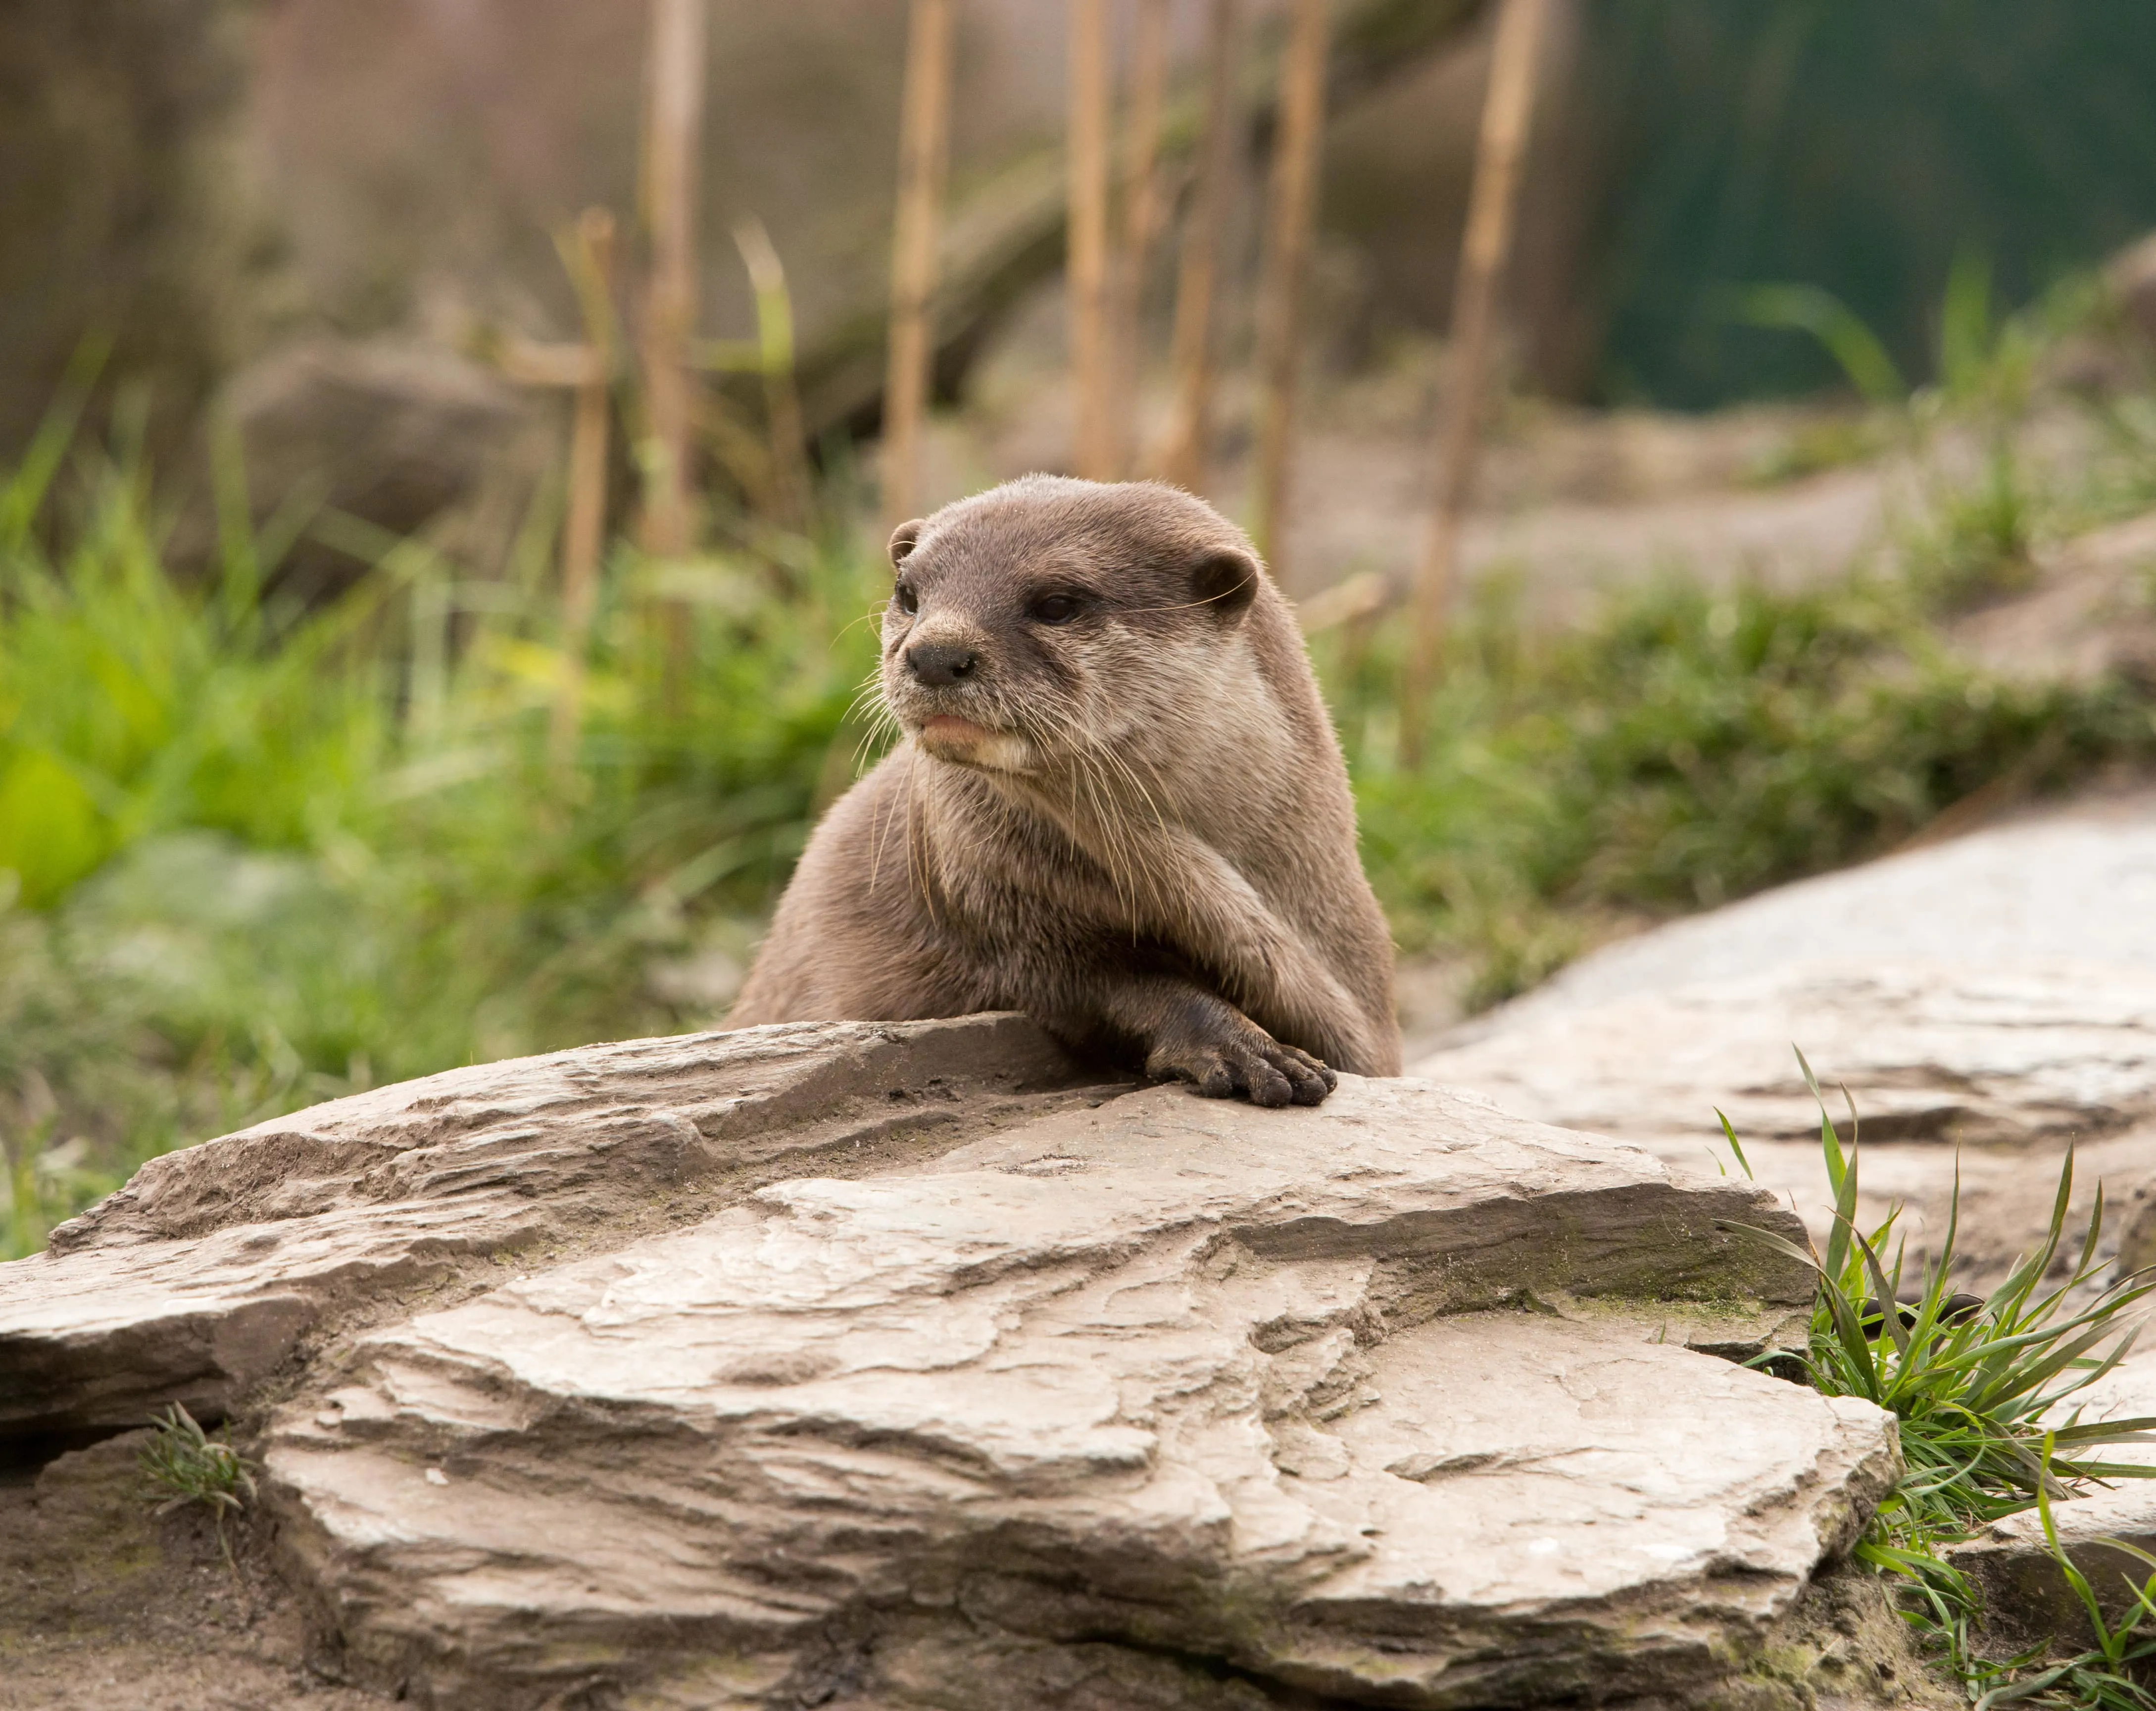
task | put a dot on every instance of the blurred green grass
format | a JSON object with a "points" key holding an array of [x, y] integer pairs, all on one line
{"points": [[1687, 747], [253, 856]]}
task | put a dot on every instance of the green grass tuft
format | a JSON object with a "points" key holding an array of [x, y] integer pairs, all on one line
{"points": [[1984, 1397], [183, 1465]]}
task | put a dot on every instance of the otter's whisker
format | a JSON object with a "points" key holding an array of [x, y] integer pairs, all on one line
{"points": [[1078, 825], [917, 859], [1125, 867], [880, 827], [882, 723], [1154, 860], [1122, 764]]}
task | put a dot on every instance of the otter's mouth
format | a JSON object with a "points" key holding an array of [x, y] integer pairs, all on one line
{"points": [[949, 727], [949, 737]]}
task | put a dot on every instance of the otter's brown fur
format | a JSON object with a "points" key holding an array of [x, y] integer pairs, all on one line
{"points": [[1119, 806]]}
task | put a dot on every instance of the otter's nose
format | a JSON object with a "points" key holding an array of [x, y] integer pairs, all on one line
{"points": [[937, 663]]}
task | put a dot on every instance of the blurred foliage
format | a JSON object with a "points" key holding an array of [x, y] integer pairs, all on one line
{"points": [[252, 857], [1686, 748], [1859, 148]]}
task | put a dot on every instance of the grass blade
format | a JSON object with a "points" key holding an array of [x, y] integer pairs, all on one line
{"points": [[1736, 1146]]}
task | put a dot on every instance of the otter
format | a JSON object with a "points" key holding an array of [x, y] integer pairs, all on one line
{"points": [[1117, 805]]}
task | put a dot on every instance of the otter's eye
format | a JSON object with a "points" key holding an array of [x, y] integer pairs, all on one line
{"points": [[1056, 608], [909, 602]]}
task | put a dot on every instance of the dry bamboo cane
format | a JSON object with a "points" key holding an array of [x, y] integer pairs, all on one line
{"points": [[676, 128], [589, 251], [782, 400], [1141, 219], [923, 157], [1507, 114], [1091, 104], [1293, 204], [673, 143], [1191, 433]]}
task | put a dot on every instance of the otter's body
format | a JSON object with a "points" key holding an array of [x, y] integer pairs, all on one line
{"points": [[1119, 806]]}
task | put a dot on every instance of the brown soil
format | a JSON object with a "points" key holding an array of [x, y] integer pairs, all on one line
{"points": [[1843, 1646], [106, 1606]]}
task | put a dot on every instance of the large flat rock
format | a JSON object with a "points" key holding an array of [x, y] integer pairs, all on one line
{"points": [[1928, 1051], [2075, 885], [1162, 1401], [1969, 1077], [902, 1367], [1988, 1003], [214, 1265]]}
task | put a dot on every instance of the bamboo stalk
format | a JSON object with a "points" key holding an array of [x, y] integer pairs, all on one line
{"points": [[1091, 104], [1007, 233], [923, 159], [1507, 116], [1144, 205], [774, 331], [1292, 208], [674, 132], [1190, 434], [588, 252]]}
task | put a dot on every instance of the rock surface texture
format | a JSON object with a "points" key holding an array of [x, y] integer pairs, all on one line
{"points": [[896, 1366], [214, 1265], [1929, 1051], [1987, 1002], [2077, 885]]}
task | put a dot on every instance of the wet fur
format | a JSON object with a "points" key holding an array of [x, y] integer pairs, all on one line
{"points": [[1156, 855]]}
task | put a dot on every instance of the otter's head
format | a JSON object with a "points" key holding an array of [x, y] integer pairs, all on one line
{"points": [[1051, 617]]}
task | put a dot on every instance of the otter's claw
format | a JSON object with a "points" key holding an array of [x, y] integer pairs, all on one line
{"points": [[1251, 1062]]}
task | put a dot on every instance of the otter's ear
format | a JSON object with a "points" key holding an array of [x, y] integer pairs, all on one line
{"points": [[902, 539], [1224, 582]]}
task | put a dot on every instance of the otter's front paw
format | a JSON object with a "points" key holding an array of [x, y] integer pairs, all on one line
{"points": [[1238, 1056]]}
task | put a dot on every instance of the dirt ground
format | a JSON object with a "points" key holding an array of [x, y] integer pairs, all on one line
{"points": [[105, 1605]]}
